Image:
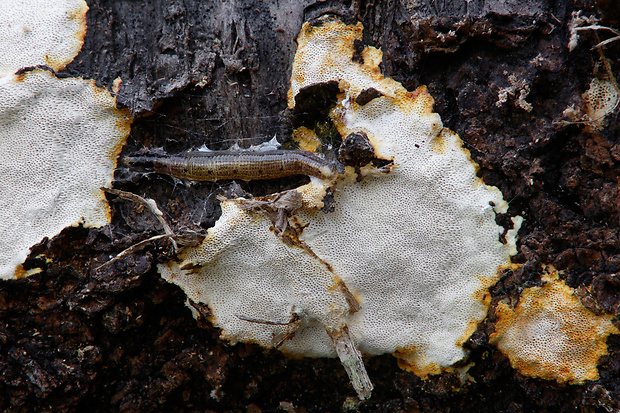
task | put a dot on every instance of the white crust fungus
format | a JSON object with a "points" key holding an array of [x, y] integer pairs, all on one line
{"points": [[419, 246], [59, 139], [415, 243], [551, 335], [40, 32], [245, 271]]}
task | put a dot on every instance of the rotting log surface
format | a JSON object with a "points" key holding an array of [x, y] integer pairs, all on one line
{"points": [[121, 339]]}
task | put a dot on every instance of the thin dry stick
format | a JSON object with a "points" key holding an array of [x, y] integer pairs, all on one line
{"points": [[151, 205], [605, 42], [351, 359], [268, 322], [597, 27], [605, 61], [134, 248], [610, 73], [292, 326]]}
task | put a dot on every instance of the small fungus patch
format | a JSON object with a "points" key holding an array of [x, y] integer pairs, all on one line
{"points": [[551, 335], [599, 101], [59, 143], [40, 32], [602, 98], [400, 263], [518, 91]]}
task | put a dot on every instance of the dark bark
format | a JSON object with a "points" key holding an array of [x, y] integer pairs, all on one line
{"points": [[216, 73]]}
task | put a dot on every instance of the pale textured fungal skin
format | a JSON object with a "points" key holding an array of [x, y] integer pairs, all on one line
{"points": [[418, 246], [59, 139], [551, 335], [40, 32], [314, 65], [416, 243], [423, 239], [249, 272]]}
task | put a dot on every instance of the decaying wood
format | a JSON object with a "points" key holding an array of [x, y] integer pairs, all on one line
{"points": [[217, 73]]}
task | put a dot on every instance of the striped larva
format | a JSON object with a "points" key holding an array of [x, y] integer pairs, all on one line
{"points": [[244, 165]]}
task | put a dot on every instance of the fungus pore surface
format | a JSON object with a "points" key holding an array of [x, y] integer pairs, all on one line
{"points": [[59, 140], [551, 335], [40, 32], [415, 243], [602, 99]]}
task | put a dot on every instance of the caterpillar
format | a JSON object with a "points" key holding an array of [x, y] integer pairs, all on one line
{"points": [[243, 165]]}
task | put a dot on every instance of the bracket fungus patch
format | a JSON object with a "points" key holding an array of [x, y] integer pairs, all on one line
{"points": [[59, 140], [551, 335], [40, 32], [403, 262]]}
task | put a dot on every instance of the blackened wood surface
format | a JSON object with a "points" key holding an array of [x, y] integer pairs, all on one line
{"points": [[216, 73]]}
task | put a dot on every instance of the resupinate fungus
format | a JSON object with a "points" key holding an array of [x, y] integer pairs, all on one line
{"points": [[402, 263]]}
